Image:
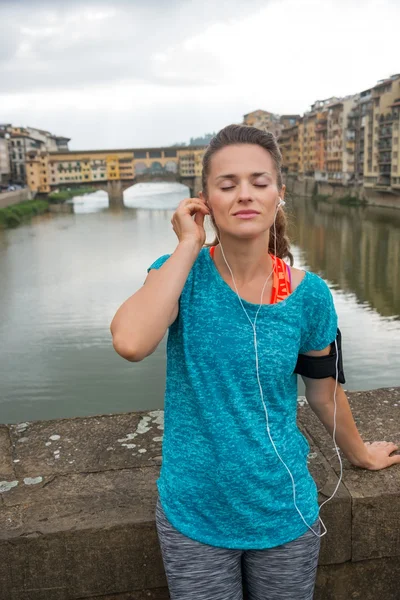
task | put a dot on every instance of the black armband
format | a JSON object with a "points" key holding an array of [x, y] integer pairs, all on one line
{"points": [[318, 367]]}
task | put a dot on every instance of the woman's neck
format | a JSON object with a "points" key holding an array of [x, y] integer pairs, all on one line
{"points": [[248, 259]]}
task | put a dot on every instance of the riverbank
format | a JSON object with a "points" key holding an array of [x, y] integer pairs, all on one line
{"points": [[64, 195], [17, 207], [351, 195], [78, 498], [14, 215], [15, 197]]}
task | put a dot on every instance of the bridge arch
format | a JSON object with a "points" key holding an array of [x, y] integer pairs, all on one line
{"points": [[156, 167]]}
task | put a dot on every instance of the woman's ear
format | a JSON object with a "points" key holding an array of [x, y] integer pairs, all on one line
{"points": [[204, 198]]}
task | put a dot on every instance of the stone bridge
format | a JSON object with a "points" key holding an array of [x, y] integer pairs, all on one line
{"points": [[115, 187]]}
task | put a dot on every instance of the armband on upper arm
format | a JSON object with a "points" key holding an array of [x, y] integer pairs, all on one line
{"points": [[318, 367]]}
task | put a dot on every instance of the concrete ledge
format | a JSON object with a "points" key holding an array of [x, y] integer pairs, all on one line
{"points": [[77, 499]]}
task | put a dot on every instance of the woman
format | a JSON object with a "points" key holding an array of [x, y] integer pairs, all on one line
{"points": [[237, 503]]}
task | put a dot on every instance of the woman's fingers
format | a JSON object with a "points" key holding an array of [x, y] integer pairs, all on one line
{"points": [[380, 453], [199, 218], [193, 207], [184, 225], [394, 460]]}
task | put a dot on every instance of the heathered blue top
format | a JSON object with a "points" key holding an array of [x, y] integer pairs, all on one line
{"points": [[221, 482]]}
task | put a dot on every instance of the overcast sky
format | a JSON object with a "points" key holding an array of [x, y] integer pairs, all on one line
{"points": [[129, 73]]}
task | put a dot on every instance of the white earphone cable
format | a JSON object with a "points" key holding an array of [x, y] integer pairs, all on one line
{"points": [[253, 325]]}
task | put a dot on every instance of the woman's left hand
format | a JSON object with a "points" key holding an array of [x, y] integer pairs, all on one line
{"points": [[379, 455]]}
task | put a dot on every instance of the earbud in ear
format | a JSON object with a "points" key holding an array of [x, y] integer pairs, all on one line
{"points": [[281, 203]]}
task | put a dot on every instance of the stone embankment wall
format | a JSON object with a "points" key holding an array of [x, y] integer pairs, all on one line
{"points": [[308, 186], [10, 198], [77, 502]]}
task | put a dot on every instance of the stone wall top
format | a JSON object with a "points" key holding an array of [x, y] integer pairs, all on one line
{"points": [[77, 499]]}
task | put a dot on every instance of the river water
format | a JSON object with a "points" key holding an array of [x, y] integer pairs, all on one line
{"points": [[62, 277]]}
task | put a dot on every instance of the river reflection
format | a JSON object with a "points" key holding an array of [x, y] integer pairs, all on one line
{"points": [[62, 277], [356, 248]]}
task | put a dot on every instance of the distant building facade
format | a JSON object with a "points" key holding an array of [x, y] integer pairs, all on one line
{"points": [[5, 171], [22, 140], [381, 135], [347, 140], [48, 171], [262, 119]]}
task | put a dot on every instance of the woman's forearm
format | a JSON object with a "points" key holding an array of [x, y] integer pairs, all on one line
{"points": [[320, 396]]}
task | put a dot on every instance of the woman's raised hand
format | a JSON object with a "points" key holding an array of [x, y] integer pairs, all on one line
{"points": [[187, 228]]}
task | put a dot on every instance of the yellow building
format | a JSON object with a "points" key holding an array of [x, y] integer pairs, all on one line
{"points": [[80, 167], [262, 119], [334, 152], [112, 166], [187, 163], [341, 143], [301, 147], [191, 162], [49, 170], [381, 136], [198, 162], [290, 149], [309, 143]]}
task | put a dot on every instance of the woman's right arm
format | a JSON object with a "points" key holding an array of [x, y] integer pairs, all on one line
{"points": [[141, 322]]}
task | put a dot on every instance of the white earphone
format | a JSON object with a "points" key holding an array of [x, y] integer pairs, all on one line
{"points": [[253, 325]]}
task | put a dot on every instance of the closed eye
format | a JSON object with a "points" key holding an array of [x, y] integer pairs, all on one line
{"points": [[227, 188]]}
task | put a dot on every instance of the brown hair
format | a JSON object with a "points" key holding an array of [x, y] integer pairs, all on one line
{"points": [[242, 134]]}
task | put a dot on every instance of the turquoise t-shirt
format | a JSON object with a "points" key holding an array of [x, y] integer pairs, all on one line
{"points": [[221, 482]]}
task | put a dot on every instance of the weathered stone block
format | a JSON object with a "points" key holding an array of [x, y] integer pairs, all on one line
{"points": [[78, 520], [364, 580]]}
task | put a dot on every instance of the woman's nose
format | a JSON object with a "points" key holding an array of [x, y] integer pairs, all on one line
{"points": [[244, 191]]}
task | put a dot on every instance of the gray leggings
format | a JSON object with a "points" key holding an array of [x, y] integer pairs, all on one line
{"points": [[198, 571]]}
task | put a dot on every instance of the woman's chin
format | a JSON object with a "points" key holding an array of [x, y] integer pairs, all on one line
{"points": [[246, 231]]}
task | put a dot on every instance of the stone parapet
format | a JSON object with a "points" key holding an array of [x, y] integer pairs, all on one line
{"points": [[77, 501], [11, 198]]}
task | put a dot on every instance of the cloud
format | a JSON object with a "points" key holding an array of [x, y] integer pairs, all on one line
{"points": [[47, 45], [129, 74]]}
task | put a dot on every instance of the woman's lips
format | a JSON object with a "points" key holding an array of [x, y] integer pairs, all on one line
{"points": [[246, 215]]}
